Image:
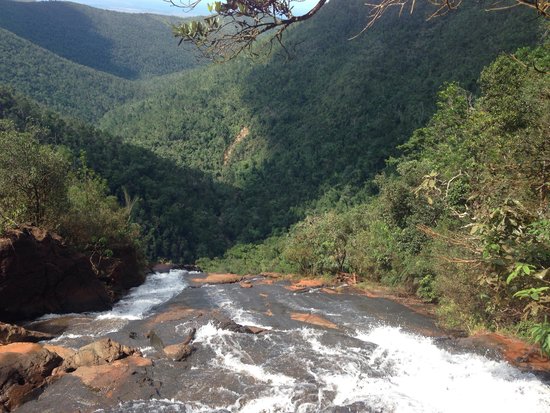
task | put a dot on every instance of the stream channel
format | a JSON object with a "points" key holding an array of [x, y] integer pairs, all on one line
{"points": [[369, 355]]}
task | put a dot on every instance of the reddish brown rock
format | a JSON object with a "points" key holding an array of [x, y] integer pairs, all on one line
{"points": [[107, 378], [215, 278], [265, 281], [245, 284], [15, 334], [38, 275], [305, 285], [162, 267], [62, 352], [256, 330], [24, 369], [121, 272], [313, 319], [173, 313], [178, 352], [515, 351], [100, 352]]}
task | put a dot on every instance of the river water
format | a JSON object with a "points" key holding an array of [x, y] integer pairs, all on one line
{"points": [[373, 359]]}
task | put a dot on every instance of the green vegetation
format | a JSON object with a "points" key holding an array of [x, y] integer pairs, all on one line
{"points": [[81, 61], [32, 179], [59, 83], [40, 187], [179, 209], [461, 218], [331, 158], [319, 126], [129, 46]]}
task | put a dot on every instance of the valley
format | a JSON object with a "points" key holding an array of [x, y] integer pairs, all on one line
{"points": [[413, 158]]}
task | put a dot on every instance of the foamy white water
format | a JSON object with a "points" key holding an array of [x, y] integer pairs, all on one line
{"points": [[140, 301], [157, 289], [420, 377], [403, 373], [219, 297], [362, 366]]}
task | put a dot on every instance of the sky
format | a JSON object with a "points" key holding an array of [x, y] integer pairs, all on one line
{"points": [[163, 7]]}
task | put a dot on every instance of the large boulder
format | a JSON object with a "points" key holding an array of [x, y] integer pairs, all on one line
{"points": [[24, 370], [15, 334], [39, 275], [98, 353]]}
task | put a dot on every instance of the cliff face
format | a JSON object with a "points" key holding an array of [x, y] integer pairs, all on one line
{"points": [[40, 275]]}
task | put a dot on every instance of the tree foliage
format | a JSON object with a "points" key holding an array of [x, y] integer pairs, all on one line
{"points": [[314, 140], [236, 25], [42, 185], [32, 179]]}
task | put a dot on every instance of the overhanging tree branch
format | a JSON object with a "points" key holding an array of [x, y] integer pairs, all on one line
{"points": [[235, 25]]}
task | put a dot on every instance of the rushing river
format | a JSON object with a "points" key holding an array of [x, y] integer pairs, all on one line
{"points": [[372, 360]]}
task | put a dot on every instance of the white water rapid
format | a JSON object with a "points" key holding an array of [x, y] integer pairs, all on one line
{"points": [[367, 362], [137, 304]]}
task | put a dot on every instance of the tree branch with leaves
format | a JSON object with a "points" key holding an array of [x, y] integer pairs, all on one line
{"points": [[234, 26]]}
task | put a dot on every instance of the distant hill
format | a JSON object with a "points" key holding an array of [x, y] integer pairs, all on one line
{"points": [[63, 85], [132, 46], [178, 208]]}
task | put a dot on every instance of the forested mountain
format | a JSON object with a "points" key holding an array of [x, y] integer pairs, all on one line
{"points": [[81, 61], [310, 130], [235, 152], [126, 45], [462, 217], [178, 208], [328, 156]]}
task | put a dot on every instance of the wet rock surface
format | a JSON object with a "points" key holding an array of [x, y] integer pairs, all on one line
{"points": [[227, 348], [39, 274], [100, 352], [14, 334], [24, 370]]}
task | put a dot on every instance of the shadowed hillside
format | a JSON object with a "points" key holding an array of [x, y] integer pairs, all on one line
{"points": [[321, 123], [126, 45]]}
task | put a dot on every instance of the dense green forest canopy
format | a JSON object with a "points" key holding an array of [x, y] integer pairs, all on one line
{"points": [[177, 208], [291, 136], [328, 157], [461, 218], [236, 152], [59, 83]]}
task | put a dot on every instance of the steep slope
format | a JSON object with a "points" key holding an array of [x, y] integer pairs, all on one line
{"points": [[321, 124], [65, 86], [126, 45]]}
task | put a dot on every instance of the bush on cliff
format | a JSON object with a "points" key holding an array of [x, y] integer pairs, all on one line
{"points": [[33, 183], [45, 186]]}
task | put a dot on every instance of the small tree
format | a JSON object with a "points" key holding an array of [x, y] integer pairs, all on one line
{"points": [[32, 179]]}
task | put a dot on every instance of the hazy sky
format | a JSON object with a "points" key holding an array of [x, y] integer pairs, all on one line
{"points": [[163, 7]]}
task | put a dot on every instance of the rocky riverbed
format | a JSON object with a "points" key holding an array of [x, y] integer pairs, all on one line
{"points": [[185, 342]]}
